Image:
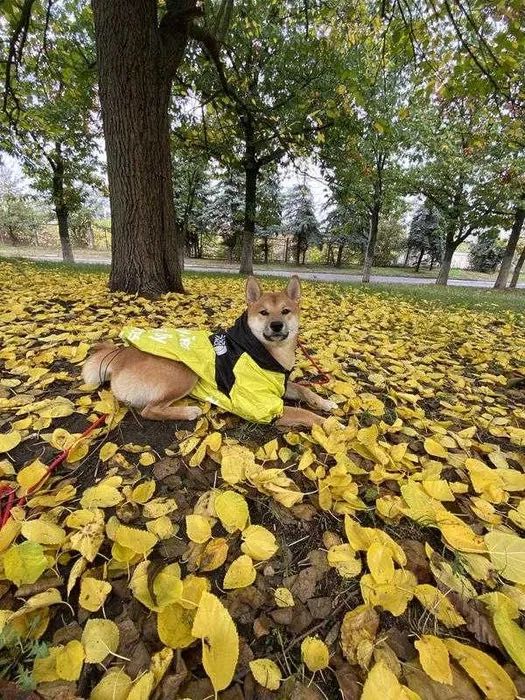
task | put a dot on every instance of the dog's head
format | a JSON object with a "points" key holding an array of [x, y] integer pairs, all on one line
{"points": [[273, 317]]}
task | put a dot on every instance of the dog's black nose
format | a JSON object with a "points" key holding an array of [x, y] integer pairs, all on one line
{"points": [[276, 326]]}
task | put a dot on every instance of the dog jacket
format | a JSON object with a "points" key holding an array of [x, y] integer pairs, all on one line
{"points": [[236, 372]]}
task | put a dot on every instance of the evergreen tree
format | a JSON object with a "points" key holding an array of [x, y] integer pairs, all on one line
{"points": [[191, 189], [345, 229], [426, 236], [302, 221], [269, 211], [226, 210], [487, 253]]}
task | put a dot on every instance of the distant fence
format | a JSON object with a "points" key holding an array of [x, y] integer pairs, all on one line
{"points": [[280, 249]]}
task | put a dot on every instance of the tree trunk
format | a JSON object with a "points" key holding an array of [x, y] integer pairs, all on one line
{"points": [[250, 207], [90, 236], [251, 170], [371, 244], [339, 255], [63, 232], [61, 208], [266, 251], [451, 239], [12, 235], [136, 67], [298, 249], [286, 252], [446, 263], [517, 270], [407, 256], [421, 253], [506, 263]]}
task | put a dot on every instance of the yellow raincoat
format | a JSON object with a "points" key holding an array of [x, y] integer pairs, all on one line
{"points": [[235, 370]]}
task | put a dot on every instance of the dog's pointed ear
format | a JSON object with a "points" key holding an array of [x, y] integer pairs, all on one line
{"points": [[253, 290], [293, 290]]}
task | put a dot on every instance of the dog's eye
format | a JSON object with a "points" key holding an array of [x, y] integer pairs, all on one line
{"points": [[285, 311], [264, 312]]}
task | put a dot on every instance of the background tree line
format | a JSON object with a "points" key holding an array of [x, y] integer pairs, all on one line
{"points": [[199, 106]]}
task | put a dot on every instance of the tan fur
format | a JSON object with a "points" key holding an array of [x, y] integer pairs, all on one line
{"points": [[152, 383]]}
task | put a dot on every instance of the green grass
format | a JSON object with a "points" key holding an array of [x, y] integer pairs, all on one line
{"points": [[68, 268], [488, 300], [475, 298]]}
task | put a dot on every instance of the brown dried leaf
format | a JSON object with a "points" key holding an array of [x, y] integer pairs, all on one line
{"points": [[262, 626], [478, 622], [320, 608], [417, 560], [349, 686], [303, 585], [168, 466], [170, 685], [462, 687]]}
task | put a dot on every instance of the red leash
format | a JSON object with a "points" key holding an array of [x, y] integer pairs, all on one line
{"points": [[321, 377], [59, 459]]}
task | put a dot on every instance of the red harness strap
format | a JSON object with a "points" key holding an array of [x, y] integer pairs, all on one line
{"points": [[321, 377], [7, 491]]}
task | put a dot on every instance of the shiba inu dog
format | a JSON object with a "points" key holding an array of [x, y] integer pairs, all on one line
{"points": [[244, 370]]}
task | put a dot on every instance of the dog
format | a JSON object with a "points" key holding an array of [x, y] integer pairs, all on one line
{"points": [[244, 370]]}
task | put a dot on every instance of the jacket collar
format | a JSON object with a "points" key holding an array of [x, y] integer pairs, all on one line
{"points": [[241, 336]]}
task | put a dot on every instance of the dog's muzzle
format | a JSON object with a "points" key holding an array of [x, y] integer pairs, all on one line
{"points": [[276, 330], [276, 336]]}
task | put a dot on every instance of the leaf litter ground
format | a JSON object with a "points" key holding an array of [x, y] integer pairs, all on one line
{"points": [[380, 556]]}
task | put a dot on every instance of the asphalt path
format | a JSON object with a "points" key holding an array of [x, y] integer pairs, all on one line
{"points": [[232, 270]]}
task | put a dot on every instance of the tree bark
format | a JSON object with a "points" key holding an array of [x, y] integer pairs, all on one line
{"points": [[250, 207], [136, 62], [63, 232], [12, 235], [446, 263], [506, 263], [421, 253], [59, 200], [339, 255], [517, 270], [371, 244], [90, 236], [452, 240]]}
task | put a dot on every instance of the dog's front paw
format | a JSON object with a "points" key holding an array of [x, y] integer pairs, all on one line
{"points": [[327, 405], [193, 412]]}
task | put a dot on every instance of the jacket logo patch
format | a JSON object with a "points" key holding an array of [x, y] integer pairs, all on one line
{"points": [[219, 344]]}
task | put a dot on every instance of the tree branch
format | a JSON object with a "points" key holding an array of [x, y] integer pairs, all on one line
{"points": [[211, 48], [484, 70], [14, 56], [174, 32]]}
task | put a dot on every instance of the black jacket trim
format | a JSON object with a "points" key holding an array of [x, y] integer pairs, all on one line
{"points": [[231, 344]]}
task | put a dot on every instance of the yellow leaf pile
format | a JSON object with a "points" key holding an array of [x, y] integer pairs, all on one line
{"points": [[379, 555]]}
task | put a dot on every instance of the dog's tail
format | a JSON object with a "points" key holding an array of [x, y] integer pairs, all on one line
{"points": [[97, 367]]}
